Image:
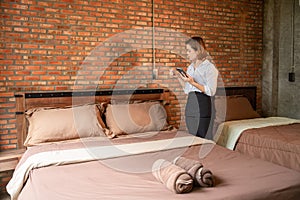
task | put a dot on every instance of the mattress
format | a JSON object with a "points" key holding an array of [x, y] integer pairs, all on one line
{"points": [[275, 139], [129, 175], [277, 144]]}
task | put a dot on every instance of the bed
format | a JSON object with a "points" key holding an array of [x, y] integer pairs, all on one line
{"points": [[141, 158], [275, 139]]}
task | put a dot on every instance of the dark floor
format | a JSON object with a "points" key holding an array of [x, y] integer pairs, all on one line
{"points": [[4, 197]]}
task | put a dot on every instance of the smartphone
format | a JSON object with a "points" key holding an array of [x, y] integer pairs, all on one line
{"points": [[181, 71]]}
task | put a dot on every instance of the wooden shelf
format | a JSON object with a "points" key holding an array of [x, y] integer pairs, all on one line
{"points": [[9, 159]]}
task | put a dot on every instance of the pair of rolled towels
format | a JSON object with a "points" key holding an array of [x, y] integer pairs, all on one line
{"points": [[182, 174]]}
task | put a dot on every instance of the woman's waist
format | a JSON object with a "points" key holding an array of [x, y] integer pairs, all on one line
{"points": [[198, 94]]}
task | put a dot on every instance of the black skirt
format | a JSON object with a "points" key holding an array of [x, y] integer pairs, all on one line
{"points": [[198, 112]]}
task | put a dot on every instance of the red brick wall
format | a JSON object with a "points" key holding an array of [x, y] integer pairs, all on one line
{"points": [[69, 44]]}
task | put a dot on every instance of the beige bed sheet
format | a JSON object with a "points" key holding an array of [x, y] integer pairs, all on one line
{"points": [[237, 176]]}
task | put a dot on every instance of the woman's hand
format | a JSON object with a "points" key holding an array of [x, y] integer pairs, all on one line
{"points": [[175, 73], [188, 79], [172, 73], [191, 81], [182, 78]]}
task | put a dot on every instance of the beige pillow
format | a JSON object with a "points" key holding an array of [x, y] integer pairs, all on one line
{"points": [[234, 108], [135, 118], [57, 124]]}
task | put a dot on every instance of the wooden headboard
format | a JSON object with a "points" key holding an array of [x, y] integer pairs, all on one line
{"points": [[248, 91], [25, 101]]}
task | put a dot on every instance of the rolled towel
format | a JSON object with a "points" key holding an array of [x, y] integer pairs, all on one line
{"points": [[173, 177], [205, 178], [201, 176]]}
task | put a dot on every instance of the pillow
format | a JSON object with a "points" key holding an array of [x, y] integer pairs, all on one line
{"points": [[57, 124], [233, 108], [135, 117]]}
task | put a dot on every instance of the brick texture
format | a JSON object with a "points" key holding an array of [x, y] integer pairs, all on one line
{"points": [[69, 45]]}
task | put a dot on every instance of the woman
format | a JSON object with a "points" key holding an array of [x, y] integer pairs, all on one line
{"points": [[200, 85]]}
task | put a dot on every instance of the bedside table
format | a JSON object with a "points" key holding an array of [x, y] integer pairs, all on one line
{"points": [[9, 159]]}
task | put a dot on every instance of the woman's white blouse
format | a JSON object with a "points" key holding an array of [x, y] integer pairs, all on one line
{"points": [[205, 74]]}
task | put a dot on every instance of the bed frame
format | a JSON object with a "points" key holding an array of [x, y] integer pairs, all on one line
{"points": [[248, 91], [25, 101]]}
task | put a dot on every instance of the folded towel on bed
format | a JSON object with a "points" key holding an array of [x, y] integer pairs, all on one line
{"points": [[200, 175], [173, 177]]}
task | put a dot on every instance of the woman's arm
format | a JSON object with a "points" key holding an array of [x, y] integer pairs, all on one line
{"points": [[195, 84], [211, 81], [183, 80]]}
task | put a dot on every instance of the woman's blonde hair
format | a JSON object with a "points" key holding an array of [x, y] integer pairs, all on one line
{"points": [[198, 44]]}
